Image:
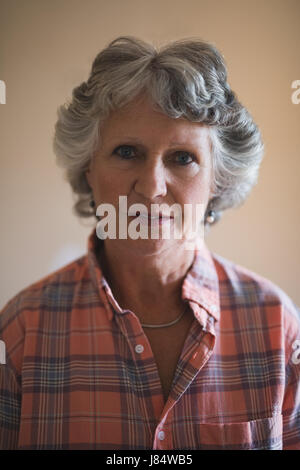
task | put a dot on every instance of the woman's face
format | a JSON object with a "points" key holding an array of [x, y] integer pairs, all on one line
{"points": [[152, 159]]}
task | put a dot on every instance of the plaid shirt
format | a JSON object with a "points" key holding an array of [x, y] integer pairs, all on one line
{"points": [[80, 373]]}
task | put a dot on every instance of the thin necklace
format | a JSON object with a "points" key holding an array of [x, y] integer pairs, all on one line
{"points": [[163, 325]]}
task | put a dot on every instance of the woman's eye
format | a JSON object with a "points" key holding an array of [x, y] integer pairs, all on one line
{"points": [[184, 158], [125, 151]]}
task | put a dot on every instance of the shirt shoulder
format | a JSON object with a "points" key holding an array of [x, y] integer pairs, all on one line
{"points": [[45, 292], [51, 295], [250, 290]]}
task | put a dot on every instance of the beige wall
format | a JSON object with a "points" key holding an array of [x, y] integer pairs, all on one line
{"points": [[46, 48]]}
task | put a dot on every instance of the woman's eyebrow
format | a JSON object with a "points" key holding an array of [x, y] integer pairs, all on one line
{"points": [[126, 138], [116, 140], [180, 144]]}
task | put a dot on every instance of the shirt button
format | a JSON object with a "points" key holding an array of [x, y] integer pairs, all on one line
{"points": [[161, 435], [139, 348]]}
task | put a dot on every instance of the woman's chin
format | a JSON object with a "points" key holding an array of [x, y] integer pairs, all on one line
{"points": [[151, 247], [146, 246]]}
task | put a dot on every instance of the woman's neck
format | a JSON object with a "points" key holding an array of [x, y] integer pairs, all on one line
{"points": [[149, 285]]}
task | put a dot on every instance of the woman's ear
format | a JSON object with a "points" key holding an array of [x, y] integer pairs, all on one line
{"points": [[89, 172], [88, 175]]}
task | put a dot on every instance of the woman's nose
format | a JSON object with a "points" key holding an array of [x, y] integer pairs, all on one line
{"points": [[151, 181]]}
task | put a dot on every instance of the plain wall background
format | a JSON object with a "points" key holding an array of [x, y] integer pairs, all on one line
{"points": [[47, 47]]}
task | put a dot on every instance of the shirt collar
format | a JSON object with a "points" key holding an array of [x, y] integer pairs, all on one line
{"points": [[200, 286]]}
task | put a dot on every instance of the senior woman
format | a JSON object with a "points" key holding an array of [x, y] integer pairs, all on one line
{"points": [[145, 343]]}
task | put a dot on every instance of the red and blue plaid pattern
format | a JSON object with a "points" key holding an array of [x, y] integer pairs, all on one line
{"points": [[74, 379]]}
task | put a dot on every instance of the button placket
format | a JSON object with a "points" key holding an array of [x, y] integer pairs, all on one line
{"points": [[139, 348]]}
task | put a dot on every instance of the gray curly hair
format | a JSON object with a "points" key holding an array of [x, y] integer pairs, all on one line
{"points": [[186, 79]]}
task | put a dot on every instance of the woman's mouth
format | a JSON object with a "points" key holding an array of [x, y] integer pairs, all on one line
{"points": [[160, 218]]}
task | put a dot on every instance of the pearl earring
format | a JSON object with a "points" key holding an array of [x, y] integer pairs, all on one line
{"points": [[211, 217]]}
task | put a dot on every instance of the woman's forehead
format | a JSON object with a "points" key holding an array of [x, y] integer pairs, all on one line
{"points": [[141, 119]]}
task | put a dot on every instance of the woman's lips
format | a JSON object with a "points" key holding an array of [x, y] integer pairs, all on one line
{"points": [[161, 218], [154, 217]]}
